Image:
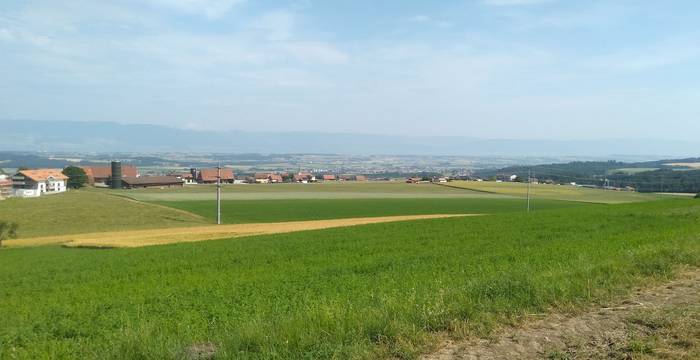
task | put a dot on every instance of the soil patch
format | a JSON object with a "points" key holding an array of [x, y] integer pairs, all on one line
{"points": [[654, 323]]}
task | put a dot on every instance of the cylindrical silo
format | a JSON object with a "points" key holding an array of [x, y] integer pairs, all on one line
{"points": [[116, 179]]}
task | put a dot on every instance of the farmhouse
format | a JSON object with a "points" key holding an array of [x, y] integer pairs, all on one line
{"points": [[209, 176], [5, 187], [33, 183], [304, 177], [151, 181], [329, 178], [360, 178], [100, 175]]}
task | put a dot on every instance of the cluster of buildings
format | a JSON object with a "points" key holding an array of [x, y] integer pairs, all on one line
{"points": [[38, 182]]}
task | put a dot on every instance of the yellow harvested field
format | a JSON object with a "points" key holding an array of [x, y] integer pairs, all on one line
{"points": [[695, 165], [138, 238]]}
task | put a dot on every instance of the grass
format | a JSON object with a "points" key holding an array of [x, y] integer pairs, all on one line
{"points": [[328, 190], [375, 291], [554, 192], [255, 211], [85, 211]]}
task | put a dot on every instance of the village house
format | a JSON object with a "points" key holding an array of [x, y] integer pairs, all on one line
{"points": [[329, 178], [101, 175], [360, 178], [304, 177], [5, 186], [129, 182], [268, 178], [209, 176], [33, 183]]}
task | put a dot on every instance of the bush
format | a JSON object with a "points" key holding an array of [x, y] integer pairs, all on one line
{"points": [[76, 177], [8, 230], [697, 196]]}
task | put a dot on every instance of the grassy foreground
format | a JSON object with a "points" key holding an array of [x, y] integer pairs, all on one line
{"points": [[85, 211], [265, 211], [372, 291]]}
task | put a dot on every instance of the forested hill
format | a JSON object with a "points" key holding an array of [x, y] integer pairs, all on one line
{"points": [[679, 175]]}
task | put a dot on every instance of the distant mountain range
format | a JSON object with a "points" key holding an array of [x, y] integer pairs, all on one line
{"points": [[33, 135]]}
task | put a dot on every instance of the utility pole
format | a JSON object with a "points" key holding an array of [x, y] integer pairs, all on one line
{"points": [[529, 178], [218, 194]]}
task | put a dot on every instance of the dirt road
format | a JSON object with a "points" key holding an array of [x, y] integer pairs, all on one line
{"points": [[660, 322]]}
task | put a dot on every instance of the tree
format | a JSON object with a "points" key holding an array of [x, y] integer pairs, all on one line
{"points": [[697, 196], [76, 177], [8, 230]]}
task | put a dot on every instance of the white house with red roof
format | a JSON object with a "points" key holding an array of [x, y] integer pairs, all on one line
{"points": [[33, 183]]}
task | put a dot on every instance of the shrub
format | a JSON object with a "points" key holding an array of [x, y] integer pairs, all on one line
{"points": [[8, 230]]}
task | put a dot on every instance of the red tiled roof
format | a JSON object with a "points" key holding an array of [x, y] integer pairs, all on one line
{"points": [[104, 172], [328, 177], [211, 174], [277, 178], [44, 174]]}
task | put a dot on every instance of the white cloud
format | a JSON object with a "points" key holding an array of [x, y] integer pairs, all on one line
{"points": [[212, 9], [275, 26]]}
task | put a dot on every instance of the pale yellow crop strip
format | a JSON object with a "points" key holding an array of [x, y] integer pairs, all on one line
{"points": [[138, 238]]}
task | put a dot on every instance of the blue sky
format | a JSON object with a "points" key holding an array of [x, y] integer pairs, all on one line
{"points": [[525, 69]]}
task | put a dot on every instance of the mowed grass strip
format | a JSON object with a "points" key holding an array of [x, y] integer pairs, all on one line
{"points": [[373, 291], [260, 211], [86, 211], [138, 238], [554, 192]]}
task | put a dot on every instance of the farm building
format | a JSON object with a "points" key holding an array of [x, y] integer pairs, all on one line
{"points": [[151, 181], [304, 177], [5, 186], [187, 178], [268, 178], [33, 183], [209, 176], [329, 178], [360, 178], [100, 175]]}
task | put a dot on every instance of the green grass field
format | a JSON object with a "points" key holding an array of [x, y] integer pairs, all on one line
{"points": [[554, 192], [86, 211], [376, 291], [328, 190], [256, 211]]}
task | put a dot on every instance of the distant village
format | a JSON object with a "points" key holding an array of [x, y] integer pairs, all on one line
{"points": [[29, 183]]}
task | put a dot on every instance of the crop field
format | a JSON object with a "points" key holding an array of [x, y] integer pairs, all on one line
{"points": [[87, 211], [554, 192], [329, 190], [138, 238], [389, 290], [261, 211]]}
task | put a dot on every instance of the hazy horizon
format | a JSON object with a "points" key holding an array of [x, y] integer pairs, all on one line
{"points": [[488, 69]]}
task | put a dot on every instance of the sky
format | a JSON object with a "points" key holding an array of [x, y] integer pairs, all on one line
{"points": [[506, 69]]}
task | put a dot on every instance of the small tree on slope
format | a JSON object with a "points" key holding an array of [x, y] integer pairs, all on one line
{"points": [[8, 230], [76, 177]]}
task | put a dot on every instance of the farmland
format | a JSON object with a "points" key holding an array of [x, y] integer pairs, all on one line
{"points": [[381, 290], [558, 192], [88, 211], [330, 190]]}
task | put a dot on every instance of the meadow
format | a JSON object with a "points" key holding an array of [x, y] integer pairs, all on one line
{"points": [[326, 190], [87, 211], [554, 192], [262, 211], [388, 290]]}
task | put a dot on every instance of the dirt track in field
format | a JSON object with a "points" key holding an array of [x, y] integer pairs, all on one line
{"points": [[138, 238], [602, 333]]}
